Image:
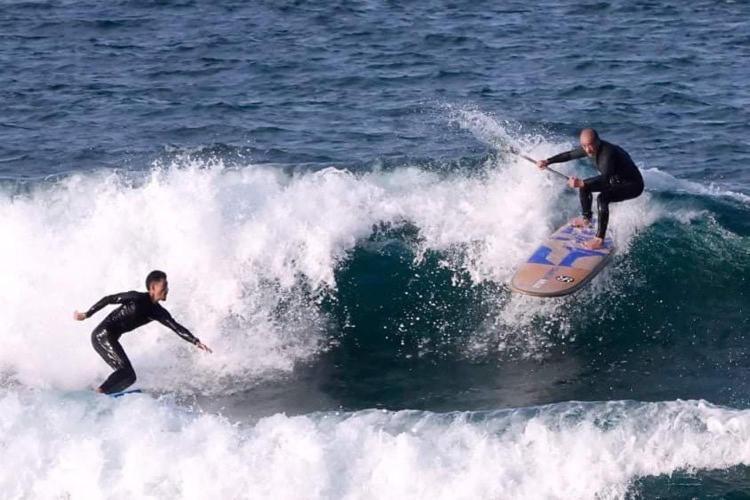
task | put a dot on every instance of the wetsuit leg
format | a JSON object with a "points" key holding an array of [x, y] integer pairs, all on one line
{"points": [[591, 185], [617, 192], [109, 348]]}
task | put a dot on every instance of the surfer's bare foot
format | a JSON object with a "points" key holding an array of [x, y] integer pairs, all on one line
{"points": [[580, 222], [594, 243]]}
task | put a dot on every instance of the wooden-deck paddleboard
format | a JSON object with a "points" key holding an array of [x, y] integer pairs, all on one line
{"points": [[560, 265]]}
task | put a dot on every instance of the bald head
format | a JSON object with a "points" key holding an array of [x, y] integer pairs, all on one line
{"points": [[589, 141]]}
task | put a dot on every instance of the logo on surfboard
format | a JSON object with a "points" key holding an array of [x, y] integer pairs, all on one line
{"points": [[565, 278]]}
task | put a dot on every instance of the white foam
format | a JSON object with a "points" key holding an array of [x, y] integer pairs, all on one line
{"points": [[88, 446]]}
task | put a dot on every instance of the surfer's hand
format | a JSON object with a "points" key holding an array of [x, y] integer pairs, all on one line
{"points": [[542, 164], [201, 345], [575, 182], [79, 316]]}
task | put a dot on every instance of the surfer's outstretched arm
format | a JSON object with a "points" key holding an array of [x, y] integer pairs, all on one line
{"points": [[573, 154], [166, 319], [117, 298]]}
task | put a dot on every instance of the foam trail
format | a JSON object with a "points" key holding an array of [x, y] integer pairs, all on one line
{"points": [[88, 446], [657, 180], [503, 135]]}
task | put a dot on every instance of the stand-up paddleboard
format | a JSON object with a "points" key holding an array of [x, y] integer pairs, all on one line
{"points": [[561, 265]]}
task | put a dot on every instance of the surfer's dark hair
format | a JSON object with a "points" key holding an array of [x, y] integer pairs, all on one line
{"points": [[155, 276]]}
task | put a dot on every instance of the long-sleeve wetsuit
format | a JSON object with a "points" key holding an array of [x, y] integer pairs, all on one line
{"points": [[619, 179], [136, 310]]}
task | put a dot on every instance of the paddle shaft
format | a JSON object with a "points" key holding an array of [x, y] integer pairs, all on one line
{"points": [[546, 168]]}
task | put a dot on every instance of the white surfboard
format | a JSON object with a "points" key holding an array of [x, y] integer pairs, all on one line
{"points": [[561, 265]]}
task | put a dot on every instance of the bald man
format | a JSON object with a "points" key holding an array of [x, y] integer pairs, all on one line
{"points": [[618, 180]]}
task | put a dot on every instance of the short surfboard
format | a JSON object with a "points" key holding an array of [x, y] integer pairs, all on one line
{"points": [[561, 265], [125, 393]]}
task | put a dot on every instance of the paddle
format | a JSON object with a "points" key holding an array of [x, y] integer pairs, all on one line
{"points": [[516, 152]]}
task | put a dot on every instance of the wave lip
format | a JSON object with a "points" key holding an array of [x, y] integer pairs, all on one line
{"points": [[250, 253]]}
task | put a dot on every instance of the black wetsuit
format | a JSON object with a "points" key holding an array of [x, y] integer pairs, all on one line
{"points": [[619, 180], [136, 310]]}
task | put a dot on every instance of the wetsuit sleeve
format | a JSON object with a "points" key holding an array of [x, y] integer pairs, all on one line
{"points": [[162, 316], [117, 298], [573, 154]]}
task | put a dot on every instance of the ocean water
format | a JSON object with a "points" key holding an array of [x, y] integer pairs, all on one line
{"points": [[331, 190]]}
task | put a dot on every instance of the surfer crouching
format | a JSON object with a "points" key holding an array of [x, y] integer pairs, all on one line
{"points": [[619, 180], [136, 309]]}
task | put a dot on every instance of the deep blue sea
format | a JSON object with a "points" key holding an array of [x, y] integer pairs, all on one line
{"points": [[332, 191]]}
